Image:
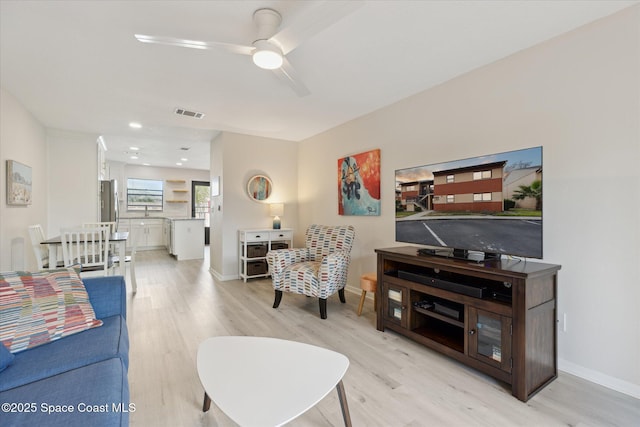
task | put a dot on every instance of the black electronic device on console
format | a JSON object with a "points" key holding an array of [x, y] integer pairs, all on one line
{"points": [[446, 310], [461, 254], [459, 288]]}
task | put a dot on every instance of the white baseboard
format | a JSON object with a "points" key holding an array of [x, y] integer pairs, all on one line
{"points": [[222, 278], [353, 289], [613, 383]]}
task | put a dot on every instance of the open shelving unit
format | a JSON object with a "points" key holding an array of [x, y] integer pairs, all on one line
{"points": [[178, 193], [253, 245]]}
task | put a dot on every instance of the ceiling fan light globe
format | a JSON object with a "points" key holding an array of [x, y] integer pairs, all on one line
{"points": [[267, 55]]}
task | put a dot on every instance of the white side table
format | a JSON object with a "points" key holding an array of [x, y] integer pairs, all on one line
{"points": [[260, 381]]}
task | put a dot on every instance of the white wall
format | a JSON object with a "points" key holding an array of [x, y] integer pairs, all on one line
{"points": [[244, 157], [73, 179], [578, 97], [216, 164], [22, 138]]}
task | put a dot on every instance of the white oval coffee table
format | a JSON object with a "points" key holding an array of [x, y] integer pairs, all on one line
{"points": [[259, 381]]}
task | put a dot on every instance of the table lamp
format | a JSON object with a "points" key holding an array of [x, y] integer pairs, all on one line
{"points": [[275, 210]]}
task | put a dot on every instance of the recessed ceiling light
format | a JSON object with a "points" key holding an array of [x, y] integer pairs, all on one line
{"points": [[134, 157], [179, 164], [135, 125], [146, 164], [134, 148], [184, 160]]}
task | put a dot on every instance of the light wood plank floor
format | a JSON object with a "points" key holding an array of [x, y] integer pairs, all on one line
{"points": [[391, 381]]}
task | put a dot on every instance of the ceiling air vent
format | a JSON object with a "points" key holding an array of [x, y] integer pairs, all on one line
{"points": [[194, 114]]}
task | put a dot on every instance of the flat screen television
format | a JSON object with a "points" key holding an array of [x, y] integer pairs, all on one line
{"points": [[479, 208]]}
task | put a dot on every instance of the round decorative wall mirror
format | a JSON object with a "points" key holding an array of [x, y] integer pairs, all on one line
{"points": [[259, 188]]}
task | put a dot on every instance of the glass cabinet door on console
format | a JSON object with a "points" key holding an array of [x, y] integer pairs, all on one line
{"points": [[395, 304], [490, 338]]}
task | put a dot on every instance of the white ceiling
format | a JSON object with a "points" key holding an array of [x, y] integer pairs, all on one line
{"points": [[77, 66]]}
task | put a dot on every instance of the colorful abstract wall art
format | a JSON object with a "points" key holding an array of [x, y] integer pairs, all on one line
{"points": [[359, 184]]}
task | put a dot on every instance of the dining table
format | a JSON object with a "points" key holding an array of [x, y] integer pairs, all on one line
{"points": [[119, 240]]}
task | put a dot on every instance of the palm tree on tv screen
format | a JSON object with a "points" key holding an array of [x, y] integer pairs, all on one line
{"points": [[534, 190]]}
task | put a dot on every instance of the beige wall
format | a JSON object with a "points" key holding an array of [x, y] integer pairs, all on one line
{"points": [[73, 179], [216, 255], [63, 196], [244, 157], [578, 97], [22, 138]]}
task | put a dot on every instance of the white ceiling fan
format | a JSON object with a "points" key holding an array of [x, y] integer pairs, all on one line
{"points": [[270, 47]]}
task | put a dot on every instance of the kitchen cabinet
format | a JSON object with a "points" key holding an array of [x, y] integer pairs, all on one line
{"points": [[145, 233], [187, 238], [166, 235]]}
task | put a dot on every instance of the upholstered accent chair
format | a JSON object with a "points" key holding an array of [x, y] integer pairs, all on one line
{"points": [[317, 270]]}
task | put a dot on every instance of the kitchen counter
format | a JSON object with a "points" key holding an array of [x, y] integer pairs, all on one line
{"points": [[161, 217], [187, 238], [183, 237]]}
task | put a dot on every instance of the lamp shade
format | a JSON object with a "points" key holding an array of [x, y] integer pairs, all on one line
{"points": [[276, 209]]}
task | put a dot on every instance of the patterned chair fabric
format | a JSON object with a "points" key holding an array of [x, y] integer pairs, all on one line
{"points": [[318, 270]]}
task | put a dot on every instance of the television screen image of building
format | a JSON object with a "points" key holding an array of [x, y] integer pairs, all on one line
{"points": [[490, 204]]}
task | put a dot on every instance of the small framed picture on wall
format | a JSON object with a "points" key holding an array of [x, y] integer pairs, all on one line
{"points": [[18, 183]]}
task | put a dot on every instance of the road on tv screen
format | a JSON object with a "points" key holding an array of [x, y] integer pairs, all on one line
{"points": [[517, 236]]}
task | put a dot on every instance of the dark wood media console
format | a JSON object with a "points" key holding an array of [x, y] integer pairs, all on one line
{"points": [[496, 316]]}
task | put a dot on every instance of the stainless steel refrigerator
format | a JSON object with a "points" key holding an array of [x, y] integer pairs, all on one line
{"points": [[109, 204]]}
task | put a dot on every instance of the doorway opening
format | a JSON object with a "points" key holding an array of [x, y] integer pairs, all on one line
{"points": [[200, 205]]}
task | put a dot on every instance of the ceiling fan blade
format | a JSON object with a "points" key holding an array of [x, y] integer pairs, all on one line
{"points": [[315, 20], [288, 74], [195, 44]]}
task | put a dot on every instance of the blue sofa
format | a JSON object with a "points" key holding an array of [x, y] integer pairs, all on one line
{"points": [[78, 380]]}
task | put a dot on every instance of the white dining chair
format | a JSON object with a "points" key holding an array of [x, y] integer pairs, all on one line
{"points": [[36, 234], [132, 263], [111, 225], [88, 247], [108, 227], [130, 259]]}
